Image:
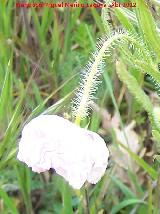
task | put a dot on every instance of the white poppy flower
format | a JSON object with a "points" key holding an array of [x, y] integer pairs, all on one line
{"points": [[50, 141]]}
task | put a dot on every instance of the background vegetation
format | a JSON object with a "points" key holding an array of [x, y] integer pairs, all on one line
{"points": [[42, 54]]}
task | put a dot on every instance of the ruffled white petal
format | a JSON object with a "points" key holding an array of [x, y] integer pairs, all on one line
{"points": [[50, 141]]}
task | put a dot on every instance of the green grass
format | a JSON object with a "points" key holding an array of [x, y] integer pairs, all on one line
{"points": [[41, 59]]}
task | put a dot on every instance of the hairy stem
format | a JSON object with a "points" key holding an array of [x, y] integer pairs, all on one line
{"points": [[90, 80]]}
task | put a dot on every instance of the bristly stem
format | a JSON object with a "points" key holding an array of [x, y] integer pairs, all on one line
{"points": [[91, 77]]}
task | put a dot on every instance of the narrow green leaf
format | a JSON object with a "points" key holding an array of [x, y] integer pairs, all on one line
{"points": [[8, 202], [66, 198], [141, 163], [127, 192], [148, 25], [121, 15], [123, 204]]}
